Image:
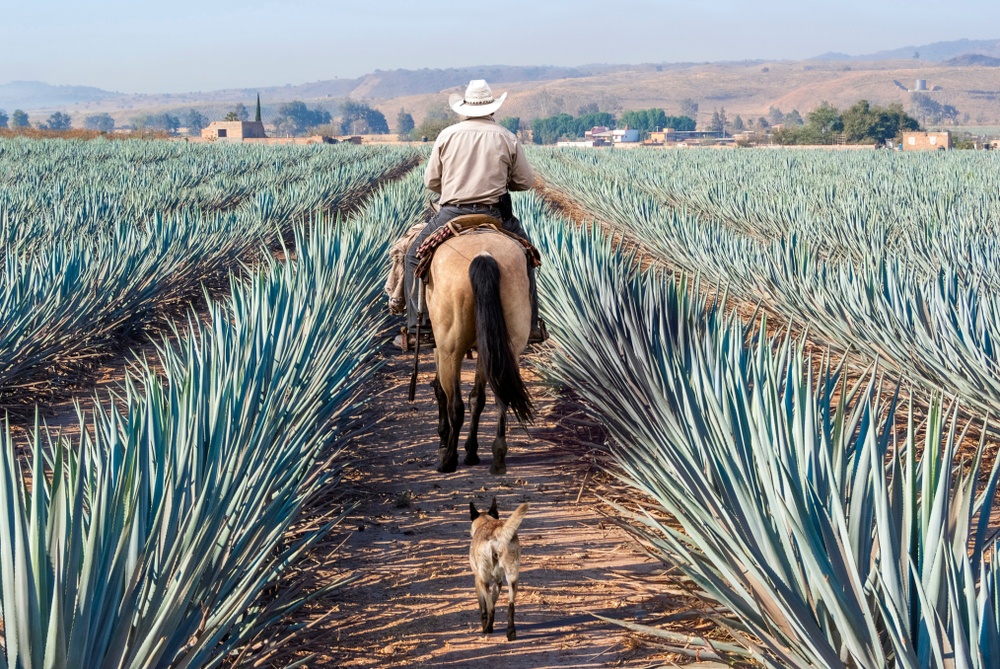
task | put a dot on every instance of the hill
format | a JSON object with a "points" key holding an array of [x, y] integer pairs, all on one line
{"points": [[936, 51], [31, 95], [748, 88]]}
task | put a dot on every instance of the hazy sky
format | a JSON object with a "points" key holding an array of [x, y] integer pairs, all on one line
{"points": [[191, 45]]}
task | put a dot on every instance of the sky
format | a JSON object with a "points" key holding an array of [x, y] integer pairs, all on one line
{"points": [[192, 45]]}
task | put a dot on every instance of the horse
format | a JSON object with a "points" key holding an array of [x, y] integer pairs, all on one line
{"points": [[477, 295]]}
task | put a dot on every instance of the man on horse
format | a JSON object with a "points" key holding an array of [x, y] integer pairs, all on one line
{"points": [[473, 166]]}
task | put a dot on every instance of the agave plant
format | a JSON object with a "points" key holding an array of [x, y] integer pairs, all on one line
{"points": [[149, 541], [896, 271], [102, 239], [832, 535]]}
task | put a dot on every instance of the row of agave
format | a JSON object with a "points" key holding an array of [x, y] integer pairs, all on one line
{"points": [[49, 186], [149, 541], [845, 206], [827, 519], [935, 328], [80, 278]]}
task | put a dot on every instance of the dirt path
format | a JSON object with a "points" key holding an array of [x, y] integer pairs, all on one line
{"points": [[413, 603]]}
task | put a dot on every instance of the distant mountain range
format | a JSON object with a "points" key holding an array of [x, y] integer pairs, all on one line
{"points": [[936, 52], [378, 85], [955, 72], [29, 95]]}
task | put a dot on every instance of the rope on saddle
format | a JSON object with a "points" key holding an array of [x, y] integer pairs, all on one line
{"points": [[461, 225]]}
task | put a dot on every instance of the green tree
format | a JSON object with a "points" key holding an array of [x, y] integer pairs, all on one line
{"points": [[241, 112], [762, 123], [194, 121], [825, 119], [19, 119], [793, 118], [775, 115], [360, 118], [433, 124], [3, 119], [256, 116], [58, 121], [99, 122], [404, 123], [294, 118], [589, 108], [738, 124], [864, 123], [512, 123], [163, 122]]}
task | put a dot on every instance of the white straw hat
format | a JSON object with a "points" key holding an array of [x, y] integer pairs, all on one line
{"points": [[478, 100]]}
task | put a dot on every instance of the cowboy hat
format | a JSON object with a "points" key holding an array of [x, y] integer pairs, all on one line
{"points": [[478, 100]]}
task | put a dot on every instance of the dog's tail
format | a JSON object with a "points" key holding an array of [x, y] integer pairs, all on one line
{"points": [[496, 357], [510, 525]]}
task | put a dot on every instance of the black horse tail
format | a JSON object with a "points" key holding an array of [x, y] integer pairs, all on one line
{"points": [[496, 357]]}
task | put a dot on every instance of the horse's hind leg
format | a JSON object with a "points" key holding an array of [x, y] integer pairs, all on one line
{"points": [[451, 412], [477, 400], [499, 466]]}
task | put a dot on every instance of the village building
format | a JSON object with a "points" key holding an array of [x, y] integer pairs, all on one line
{"points": [[234, 130], [927, 141]]}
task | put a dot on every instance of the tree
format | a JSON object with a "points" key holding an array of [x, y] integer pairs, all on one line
{"points": [[433, 124], [825, 119], [231, 116], [775, 115], [3, 119], [360, 118], [194, 121], [256, 116], [589, 108], [242, 114], [719, 121], [294, 118], [689, 108], [864, 123], [738, 124], [58, 121], [404, 123], [793, 118], [762, 123], [163, 122], [99, 122], [512, 123], [19, 119], [931, 111]]}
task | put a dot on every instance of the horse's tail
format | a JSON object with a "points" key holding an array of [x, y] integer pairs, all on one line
{"points": [[497, 361]]}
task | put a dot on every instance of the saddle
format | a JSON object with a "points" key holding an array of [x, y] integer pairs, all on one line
{"points": [[464, 224]]}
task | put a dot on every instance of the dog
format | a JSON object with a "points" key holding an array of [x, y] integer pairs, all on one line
{"points": [[494, 554]]}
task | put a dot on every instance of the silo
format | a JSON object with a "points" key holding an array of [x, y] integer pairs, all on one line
{"points": [[921, 85]]}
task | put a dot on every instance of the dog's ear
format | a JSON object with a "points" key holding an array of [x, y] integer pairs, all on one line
{"points": [[472, 511], [493, 509]]}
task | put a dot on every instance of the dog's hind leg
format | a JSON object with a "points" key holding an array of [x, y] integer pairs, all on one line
{"points": [[485, 606], [511, 595]]}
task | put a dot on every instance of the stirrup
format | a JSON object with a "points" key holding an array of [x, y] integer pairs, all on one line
{"points": [[538, 334], [407, 341]]}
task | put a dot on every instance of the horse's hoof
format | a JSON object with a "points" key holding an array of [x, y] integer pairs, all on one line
{"points": [[511, 635], [471, 459], [498, 470], [448, 467]]}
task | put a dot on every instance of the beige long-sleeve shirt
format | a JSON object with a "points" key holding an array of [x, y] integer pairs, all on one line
{"points": [[475, 162]]}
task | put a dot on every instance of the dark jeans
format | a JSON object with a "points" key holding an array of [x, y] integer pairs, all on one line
{"points": [[447, 213]]}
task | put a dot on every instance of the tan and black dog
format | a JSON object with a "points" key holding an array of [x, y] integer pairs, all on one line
{"points": [[494, 554]]}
